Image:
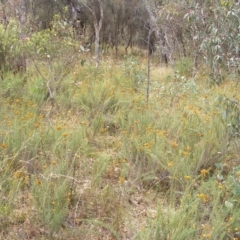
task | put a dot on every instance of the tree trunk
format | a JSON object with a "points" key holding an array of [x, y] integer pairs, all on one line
{"points": [[97, 40], [97, 35], [152, 18], [97, 25], [22, 12], [148, 65], [21, 63], [72, 9]]}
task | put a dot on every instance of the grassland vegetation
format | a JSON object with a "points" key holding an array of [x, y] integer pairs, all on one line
{"points": [[83, 156]]}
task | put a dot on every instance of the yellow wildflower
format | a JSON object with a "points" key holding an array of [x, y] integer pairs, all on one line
{"points": [[203, 197], [4, 145], [208, 235], [121, 180], [38, 181], [185, 153], [188, 148], [64, 134], [169, 164], [18, 174], [174, 144], [58, 127], [147, 145], [204, 172]]}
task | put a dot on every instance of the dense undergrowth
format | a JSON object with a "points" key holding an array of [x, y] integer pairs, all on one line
{"points": [[83, 156], [97, 162]]}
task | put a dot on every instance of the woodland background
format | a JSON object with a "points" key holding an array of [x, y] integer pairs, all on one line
{"points": [[119, 119]]}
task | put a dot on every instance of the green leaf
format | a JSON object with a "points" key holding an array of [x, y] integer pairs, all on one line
{"points": [[224, 115], [220, 177], [228, 205], [219, 165]]}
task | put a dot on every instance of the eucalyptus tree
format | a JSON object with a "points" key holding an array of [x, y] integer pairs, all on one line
{"points": [[74, 9], [214, 25], [207, 32], [122, 23], [95, 7], [113, 24]]}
